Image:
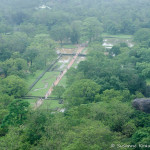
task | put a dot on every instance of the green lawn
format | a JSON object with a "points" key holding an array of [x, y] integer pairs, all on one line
{"points": [[69, 46], [31, 101], [57, 65], [117, 36], [63, 81], [47, 104], [31, 78], [50, 104], [49, 78]]}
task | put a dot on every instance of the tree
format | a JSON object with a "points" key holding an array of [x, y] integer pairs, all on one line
{"points": [[127, 27], [142, 36], [14, 86], [14, 139], [73, 75], [58, 91], [18, 111], [75, 115], [5, 28], [5, 100], [81, 92], [16, 42], [32, 29], [143, 69], [131, 79], [115, 50], [41, 51], [141, 136], [92, 29], [129, 128], [60, 33], [30, 54], [113, 114], [16, 66], [114, 95], [112, 27], [91, 135], [36, 127], [18, 17], [75, 32]]}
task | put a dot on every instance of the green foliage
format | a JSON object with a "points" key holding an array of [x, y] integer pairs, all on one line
{"points": [[144, 69], [60, 33], [118, 73], [41, 51], [90, 136], [96, 46], [35, 127], [5, 100], [114, 114], [114, 95], [142, 35], [92, 29], [18, 111], [5, 28], [98, 93], [16, 66], [76, 115], [129, 128], [14, 86], [16, 42], [58, 91], [75, 31], [141, 119], [15, 139], [115, 50], [141, 136], [81, 92], [73, 75]]}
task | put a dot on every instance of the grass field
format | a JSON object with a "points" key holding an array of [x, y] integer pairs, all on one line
{"points": [[104, 35], [31, 101], [47, 104], [69, 46], [31, 78], [50, 104], [49, 78], [63, 81]]}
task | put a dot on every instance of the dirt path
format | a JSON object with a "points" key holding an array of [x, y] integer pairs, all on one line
{"points": [[58, 79]]}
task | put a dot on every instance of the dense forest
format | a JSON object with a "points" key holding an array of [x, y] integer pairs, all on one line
{"points": [[98, 94]]}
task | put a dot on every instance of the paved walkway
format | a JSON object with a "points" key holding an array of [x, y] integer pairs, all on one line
{"points": [[40, 101]]}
